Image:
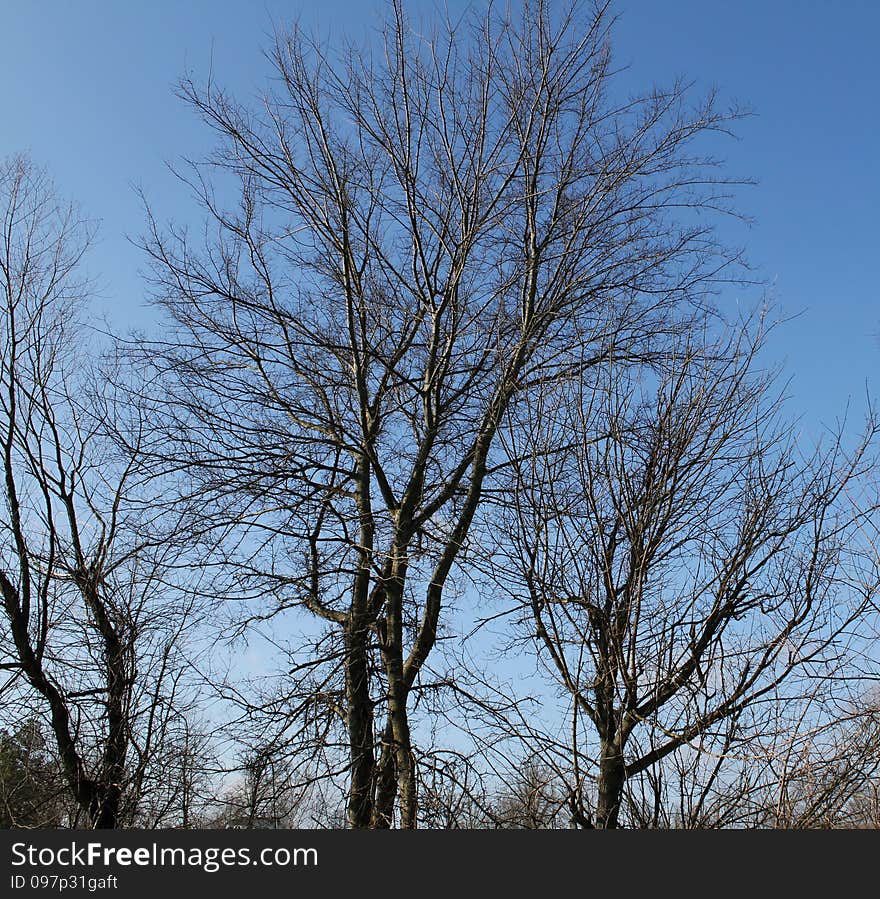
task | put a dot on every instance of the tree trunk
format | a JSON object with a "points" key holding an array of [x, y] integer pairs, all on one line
{"points": [[386, 783], [612, 777], [360, 724], [104, 811], [398, 693]]}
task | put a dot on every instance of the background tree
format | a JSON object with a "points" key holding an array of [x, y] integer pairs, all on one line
{"points": [[421, 239], [32, 788], [93, 624], [694, 577]]}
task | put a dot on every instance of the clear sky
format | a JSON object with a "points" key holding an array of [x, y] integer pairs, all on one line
{"points": [[88, 91]]}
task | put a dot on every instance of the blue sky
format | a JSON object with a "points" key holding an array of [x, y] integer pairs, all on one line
{"points": [[88, 92]]}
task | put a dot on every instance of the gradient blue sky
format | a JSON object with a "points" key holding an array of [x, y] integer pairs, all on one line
{"points": [[88, 91]]}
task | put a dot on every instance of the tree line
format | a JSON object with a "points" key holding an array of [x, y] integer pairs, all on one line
{"points": [[446, 412]]}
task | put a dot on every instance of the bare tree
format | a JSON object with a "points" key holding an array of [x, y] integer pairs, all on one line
{"points": [[420, 238], [95, 624], [536, 800], [823, 773], [692, 575]]}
